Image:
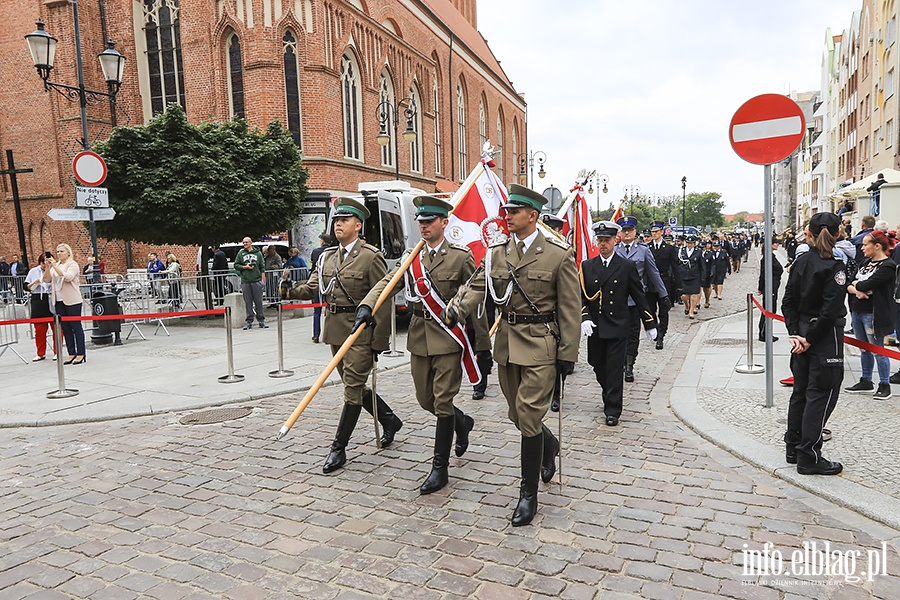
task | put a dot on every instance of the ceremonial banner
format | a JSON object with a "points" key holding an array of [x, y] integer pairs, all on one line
{"points": [[477, 221], [577, 228]]}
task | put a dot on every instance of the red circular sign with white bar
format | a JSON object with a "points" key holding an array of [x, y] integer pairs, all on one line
{"points": [[89, 168], [767, 129]]}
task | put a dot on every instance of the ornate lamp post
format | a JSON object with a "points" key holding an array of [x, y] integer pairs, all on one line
{"points": [[602, 178], [683, 199], [43, 52], [632, 193], [526, 160], [387, 120]]}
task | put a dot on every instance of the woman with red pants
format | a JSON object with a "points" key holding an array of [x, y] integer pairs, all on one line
{"points": [[40, 306]]}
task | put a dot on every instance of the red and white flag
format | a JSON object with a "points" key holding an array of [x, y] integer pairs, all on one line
{"points": [[478, 219], [577, 222], [620, 212]]}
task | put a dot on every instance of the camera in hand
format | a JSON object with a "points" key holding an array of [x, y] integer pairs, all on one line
{"points": [[48, 255]]}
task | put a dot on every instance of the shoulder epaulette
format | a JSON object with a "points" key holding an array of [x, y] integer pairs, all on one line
{"points": [[460, 247], [558, 242], [497, 244]]}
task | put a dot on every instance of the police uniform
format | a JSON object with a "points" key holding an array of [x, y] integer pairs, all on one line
{"points": [[691, 271], [722, 267], [434, 354], [813, 308], [639, 253], [666, 258], [607, 286], [344, 278], [539, 329]]}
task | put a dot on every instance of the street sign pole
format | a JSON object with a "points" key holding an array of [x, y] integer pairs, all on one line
{"points": [[769, 256]]}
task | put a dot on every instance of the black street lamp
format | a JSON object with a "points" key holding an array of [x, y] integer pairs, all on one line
{"points": [[601, 178], [387, 120], [683, 197], [526, 160], [632, 193], [43, 52]]}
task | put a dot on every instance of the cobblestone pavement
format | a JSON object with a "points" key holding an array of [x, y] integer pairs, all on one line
{"points": [[151, 508]]}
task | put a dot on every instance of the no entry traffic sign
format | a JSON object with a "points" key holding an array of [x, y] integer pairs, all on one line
{"points": [[89, 168], [767, 129]]}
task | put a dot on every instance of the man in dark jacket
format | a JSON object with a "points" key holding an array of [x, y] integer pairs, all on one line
{"points": [[219, 272], [777, 271], [868, 225], [666, 257]]}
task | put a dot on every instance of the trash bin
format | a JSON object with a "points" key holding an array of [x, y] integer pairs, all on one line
{"points": [[105, 303]]}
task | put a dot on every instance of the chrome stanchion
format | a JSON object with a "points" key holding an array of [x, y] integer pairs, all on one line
{"points": [[750, 368], [231, 377], [281, 372], [61, 391], [393, 352]]}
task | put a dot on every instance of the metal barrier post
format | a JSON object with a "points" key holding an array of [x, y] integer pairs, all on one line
{"points": [[750, 368], [393, 352], [61, 391], [231, 377], [280, 372]]}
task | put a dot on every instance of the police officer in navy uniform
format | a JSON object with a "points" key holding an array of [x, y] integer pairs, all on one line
{"points": [[666, 258], [608, 284], [640, 255], [814, 312]]}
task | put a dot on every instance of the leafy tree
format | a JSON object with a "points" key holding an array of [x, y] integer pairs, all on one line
{"points": [[172, 182], [704, 209]]}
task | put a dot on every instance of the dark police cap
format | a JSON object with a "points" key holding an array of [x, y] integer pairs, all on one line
{"points": [[348, 207], [691, 238], [668, 237], [657, 225], [429, 208], [606, 229], [551, 220], [717, 243], [624, 222], [824, 220], [523, 197]]}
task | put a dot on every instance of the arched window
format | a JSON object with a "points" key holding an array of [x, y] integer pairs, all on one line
{"points": [[160, 70], [386, 97], [461, 128], [436, 103], [415, 147], [482, 125], [498, 145], [292, 86], [350, 105], [235, 77]]}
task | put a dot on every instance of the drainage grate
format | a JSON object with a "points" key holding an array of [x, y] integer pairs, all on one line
{"points": [[216, 415], [726, 342]]}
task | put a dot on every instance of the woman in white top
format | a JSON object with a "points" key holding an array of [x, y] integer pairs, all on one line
{"points": [[64, 276], [40, 306]]}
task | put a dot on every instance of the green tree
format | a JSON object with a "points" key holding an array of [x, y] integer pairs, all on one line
{"points": [[702, 209], [172, 182]]}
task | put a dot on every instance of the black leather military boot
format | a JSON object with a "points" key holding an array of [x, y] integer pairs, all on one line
{"points": [[337, 457], [532, 450], [390, 423], [463, 424], [551, 451], [629, 368], [443, 439]]}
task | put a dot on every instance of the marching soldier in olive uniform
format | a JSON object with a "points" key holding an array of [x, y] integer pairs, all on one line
{"points": [[532, 279], [343, 276], [666, 257], [435, 354], [608, 283]]}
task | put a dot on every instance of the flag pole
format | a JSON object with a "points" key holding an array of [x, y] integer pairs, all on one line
{"points": [[345, 347]]}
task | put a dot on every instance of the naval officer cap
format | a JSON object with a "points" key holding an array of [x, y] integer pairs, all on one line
{"points": [[348, 207], [626, 222], [717, 243], [668, 237], [691, 238], [606, 229], [551, 220], [429, 208], [523, 197], [657, 225]]}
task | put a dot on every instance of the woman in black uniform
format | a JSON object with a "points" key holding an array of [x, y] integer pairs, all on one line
{"points": [[690, 265], [723, 267], [814, 313], [709, 271]]}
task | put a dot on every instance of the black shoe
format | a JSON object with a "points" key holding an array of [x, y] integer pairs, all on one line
{"points": [[477, 395], [443, 438], [612, 421], [551, 451], [629, 369], [554, 405], [790, 455], [659, 343], [883, 393], [895, 378], [463, 424], [526, 509], [337, 457], [762, 338], [824, 467], [860, 387]]}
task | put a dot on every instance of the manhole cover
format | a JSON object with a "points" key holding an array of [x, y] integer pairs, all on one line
{"points": [[726, 342], [216, 415]]}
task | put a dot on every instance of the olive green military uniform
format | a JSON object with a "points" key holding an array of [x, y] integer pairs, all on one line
{"points": [[353, 278]]}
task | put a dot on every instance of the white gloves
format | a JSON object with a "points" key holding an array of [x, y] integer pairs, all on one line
{"points": [[651, 334], [587, 328]]}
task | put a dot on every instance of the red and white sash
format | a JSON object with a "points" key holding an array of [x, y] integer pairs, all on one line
{"points": [[434, 305]]}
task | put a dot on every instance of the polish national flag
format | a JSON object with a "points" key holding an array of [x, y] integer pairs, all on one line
{"points": [[478, 220], [618, 214], [577, 222]]}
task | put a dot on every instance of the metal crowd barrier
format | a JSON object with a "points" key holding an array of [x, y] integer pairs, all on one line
{"points": [[12, 289], [9, 334]]}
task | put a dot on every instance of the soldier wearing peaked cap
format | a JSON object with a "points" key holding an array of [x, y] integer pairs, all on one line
{"points": [[343, 276], [531, 277], [438, 355], [608, 282], [648, 273]]}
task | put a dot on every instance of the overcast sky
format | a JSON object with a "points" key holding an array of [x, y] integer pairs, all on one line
{"points": [[644, 90]]}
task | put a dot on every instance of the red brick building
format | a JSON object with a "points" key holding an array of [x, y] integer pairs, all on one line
{"points": [[320, 66]]}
